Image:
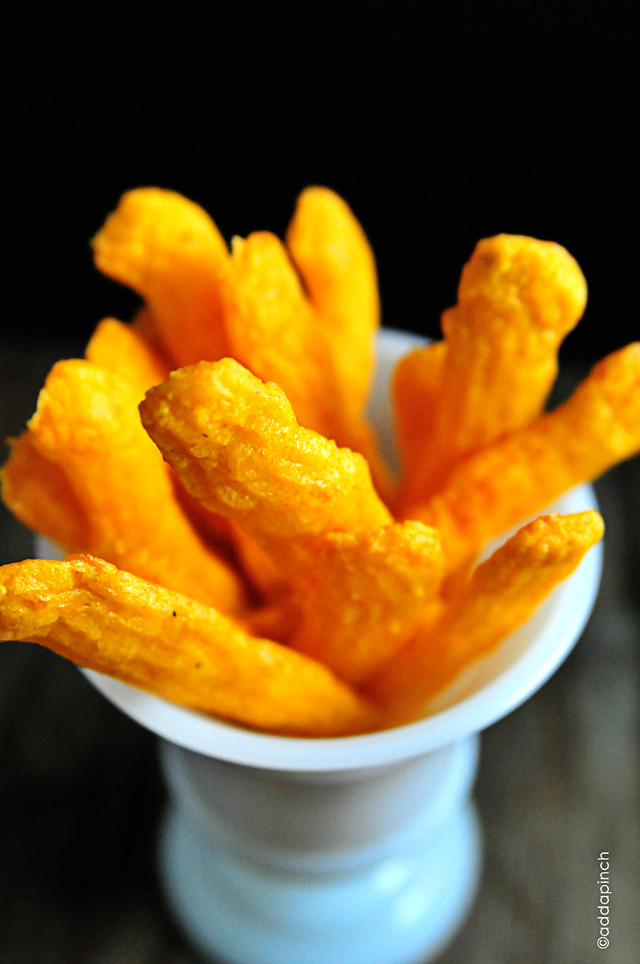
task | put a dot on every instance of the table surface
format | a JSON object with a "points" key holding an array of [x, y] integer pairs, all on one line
{"points": [[559, 782]]}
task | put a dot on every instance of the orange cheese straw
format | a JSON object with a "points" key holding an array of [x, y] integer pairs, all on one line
{"points": [[273, 330], [335, 260], [40, 495], [503, 593], [416, 387], [123, 349], [518, 297], [499, 486], [91, 613], [88, 425], [366, 594], [235, 444], [169, 250]]}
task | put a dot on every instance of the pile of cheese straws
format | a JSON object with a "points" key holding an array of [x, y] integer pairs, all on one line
{"points": [[237, 544]]}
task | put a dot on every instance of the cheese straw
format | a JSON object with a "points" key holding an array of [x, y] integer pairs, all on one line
{"points": [[103, 619], [87, 425], [171, 253], [123, 349], [336, 263], [235, 444], [273, 331], [502, 594], [518, 298], [366, 595], [416, 389], [499, 486]]}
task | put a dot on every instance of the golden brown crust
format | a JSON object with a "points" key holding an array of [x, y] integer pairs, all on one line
{"points": [[366, 595], [502, 594], [504, 483], [107, 620], [169, 250], [235, 444], [87, 424], [518, 297]]}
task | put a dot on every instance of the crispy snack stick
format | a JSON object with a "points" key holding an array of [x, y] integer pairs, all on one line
{"points": [[336, 263], [518, 298], [502, 594], [499, 486], [178, 572], [273, 331], [235, 444], [365, 596], [124, 350], [39, 494], [416, 387], [103, 619], [333, 256], [169, 250], [335, 260], [87, 424]]}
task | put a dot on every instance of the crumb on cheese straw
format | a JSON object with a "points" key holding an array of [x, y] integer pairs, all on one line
{"points": [[518, 297], [365, 596], [503, 593], [88, 425], [237, 447], [110, 621], [499, 486], [171, 253]]}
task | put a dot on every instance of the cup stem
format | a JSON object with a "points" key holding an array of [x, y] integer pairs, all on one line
{"points": [[267, 867]]}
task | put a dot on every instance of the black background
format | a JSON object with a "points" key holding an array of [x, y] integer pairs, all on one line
{"points": [[436, 126]]}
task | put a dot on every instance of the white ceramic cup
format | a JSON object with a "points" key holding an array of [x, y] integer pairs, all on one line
{"points": [[357, 850]]}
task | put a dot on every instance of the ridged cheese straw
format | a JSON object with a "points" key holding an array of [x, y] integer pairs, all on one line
{"points": [[518, 297], [503, 593], [171, 253], [123, 349], [507, 482], [40, 495], [236, 446], [87, 424], [366, 594], [335, 260], [273, 330], [336, 263], [126, 350], [416, 388], [103, 619]]}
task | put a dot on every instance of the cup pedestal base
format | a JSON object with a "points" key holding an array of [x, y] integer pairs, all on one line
{"points": [[393, 894]]}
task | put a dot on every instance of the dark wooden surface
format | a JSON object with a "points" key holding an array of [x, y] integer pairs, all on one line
{"points": [[80, 792]]}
